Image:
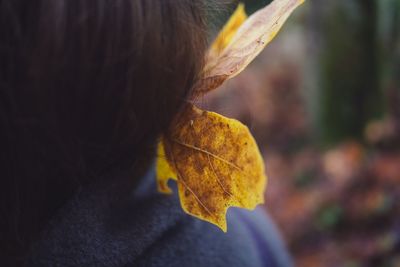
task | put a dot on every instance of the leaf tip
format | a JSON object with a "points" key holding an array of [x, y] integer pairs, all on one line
{"points": [[229, 30], [224, 228], [222, 224], [164, 171], [163, 188]]}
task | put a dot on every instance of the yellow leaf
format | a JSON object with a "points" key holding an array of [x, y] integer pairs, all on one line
{"points": [[248, 41], [164, 172], [215, 160], [217, 165], [226, 34]]}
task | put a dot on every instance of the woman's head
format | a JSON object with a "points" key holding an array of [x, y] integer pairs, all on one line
{"points": [[86, 88]]}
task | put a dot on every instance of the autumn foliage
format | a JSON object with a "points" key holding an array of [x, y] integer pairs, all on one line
{"points": [[215, 160]]}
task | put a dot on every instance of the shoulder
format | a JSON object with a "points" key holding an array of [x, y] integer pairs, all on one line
{"points": [[152, 230], [251, 240]]}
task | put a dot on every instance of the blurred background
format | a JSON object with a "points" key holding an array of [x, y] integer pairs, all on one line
{"points": [[323, 101]]}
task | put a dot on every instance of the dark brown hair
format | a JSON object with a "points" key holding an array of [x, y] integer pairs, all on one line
{"points": [[86, 88]]}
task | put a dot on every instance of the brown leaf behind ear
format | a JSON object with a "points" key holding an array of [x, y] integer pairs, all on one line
{"points": [[251, 38]]}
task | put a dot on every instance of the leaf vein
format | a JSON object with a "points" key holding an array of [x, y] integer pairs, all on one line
{"points": [[217, 177], [208, 153], [181, 180], [196, 197]]}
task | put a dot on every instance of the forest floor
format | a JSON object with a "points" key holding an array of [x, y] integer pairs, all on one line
{"points": [[337, 208]]}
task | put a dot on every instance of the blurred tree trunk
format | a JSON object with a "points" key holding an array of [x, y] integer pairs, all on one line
{"points": [[390, 50], [349, 93]]}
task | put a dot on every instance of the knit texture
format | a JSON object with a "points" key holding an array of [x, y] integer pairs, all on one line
{"points": [[150, 229]]}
